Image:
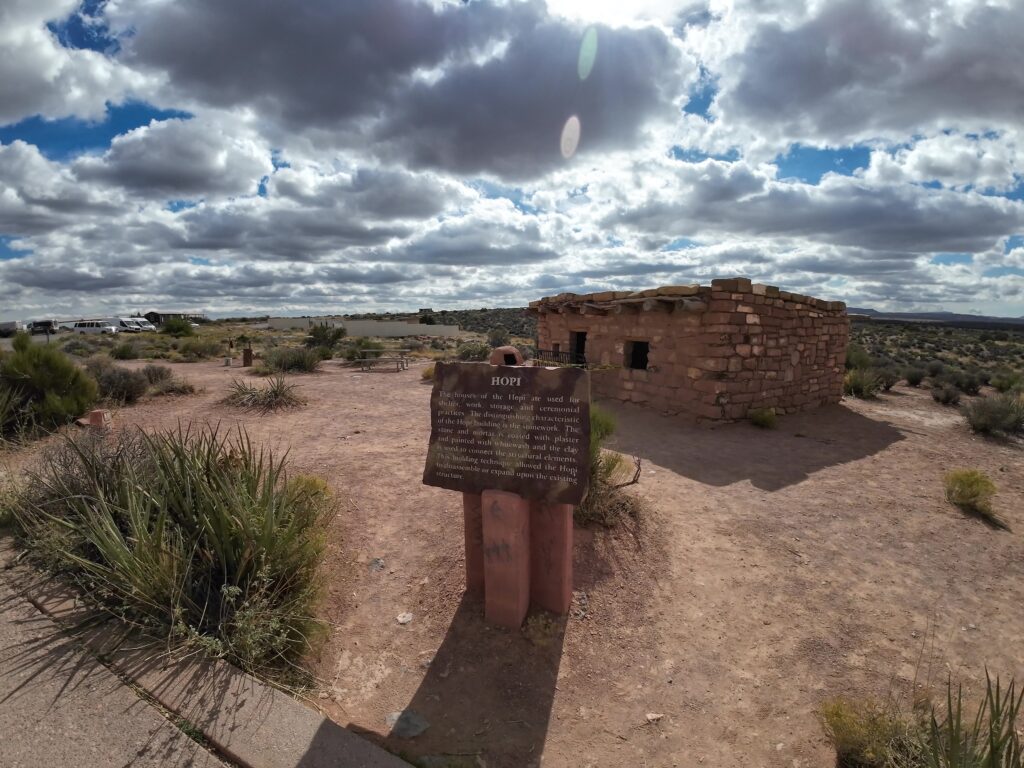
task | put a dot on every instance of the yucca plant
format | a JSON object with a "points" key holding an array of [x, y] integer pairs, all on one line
{"points": [[198, 537], [991, 740], [278, 393]]}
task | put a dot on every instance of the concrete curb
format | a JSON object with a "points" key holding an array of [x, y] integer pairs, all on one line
{"points": [[247, 721]]}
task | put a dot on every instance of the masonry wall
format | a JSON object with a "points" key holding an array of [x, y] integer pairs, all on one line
{"points": [[723, 351]]}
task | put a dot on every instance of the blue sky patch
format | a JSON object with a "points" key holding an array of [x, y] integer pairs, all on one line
{"points": [[809, 164], [679, 244], [83, 30], [1013, 241], [199, 261], [697, 155], [69, 136], [180, 205], [702, 96], [8, 252], [494, 191], [946, 259], [1003, 271]]}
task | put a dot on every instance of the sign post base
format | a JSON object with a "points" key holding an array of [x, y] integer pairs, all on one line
{"points": [[506, 537]]}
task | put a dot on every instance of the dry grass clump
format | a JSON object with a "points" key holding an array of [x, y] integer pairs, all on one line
{"points": [[765, 418], [862, 383], [427, 374], [972, 490], [872, 734], [197, 538], [998, 415], [606, 504], [289, 360], [278, 393]]}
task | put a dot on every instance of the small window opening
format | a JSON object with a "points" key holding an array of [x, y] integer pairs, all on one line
{"points": [[636, 354], [556, 348]]}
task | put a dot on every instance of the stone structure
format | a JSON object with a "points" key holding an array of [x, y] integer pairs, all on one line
{"points": [[710, 352]]}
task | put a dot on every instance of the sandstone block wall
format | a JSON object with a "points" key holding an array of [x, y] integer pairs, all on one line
{"points": [[714, 352]]}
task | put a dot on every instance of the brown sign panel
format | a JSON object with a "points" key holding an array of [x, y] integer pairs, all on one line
{"points": [[507, 428]]}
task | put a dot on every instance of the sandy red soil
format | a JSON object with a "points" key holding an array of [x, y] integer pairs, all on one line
{"points": [[772, 569]]}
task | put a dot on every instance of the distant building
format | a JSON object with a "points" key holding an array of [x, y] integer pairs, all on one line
{"points": [[354, 328], [159, 318]]}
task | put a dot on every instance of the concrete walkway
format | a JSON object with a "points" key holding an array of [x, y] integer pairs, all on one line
{"points": [[60, 707]]}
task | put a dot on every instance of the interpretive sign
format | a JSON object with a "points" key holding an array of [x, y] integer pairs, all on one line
{"points": [[507, 428]]}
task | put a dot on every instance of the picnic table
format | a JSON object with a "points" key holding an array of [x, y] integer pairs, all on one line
{"points": [[399, 357]]}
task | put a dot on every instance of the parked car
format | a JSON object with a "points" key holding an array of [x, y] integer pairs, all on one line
{"points": [[43, 326], [11, 327], [126, 324], [95, 326]]}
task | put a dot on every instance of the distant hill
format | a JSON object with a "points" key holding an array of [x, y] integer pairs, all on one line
{"points": [[945, 318]]}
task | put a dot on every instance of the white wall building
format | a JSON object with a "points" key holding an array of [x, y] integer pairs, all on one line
{"points": [[354, 328]]}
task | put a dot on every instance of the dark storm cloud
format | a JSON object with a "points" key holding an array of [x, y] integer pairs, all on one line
{"points": [[862, 67], [505, 116], [31, 273], [307, 64], [179, 159]]}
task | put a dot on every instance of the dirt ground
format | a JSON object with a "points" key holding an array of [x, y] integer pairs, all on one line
{"points": [[772, 570]]}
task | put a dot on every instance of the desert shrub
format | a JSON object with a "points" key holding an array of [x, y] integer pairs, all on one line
{"points": [[427, 374], [605, 503], [866, 733], [291, 360], [196, 537], [946, 394], [173, 386], [363, 348], [324, 353], [50, 389], [887, 377], [278, 393], [498, 337], [765, 418], [177, 326], [998, 415], [115, 383], [965, 382], [857, 357], [324, 336], [860, 382], [1004, 381], [199, 348], [934, 368], [157, 373], [473, 351], [972, 490], [124, 351], [914, 376]]}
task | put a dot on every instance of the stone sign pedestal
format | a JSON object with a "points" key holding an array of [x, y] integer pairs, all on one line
{"points": [[515, 441]]}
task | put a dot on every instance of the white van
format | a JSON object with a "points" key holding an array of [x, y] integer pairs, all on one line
{"points": [[127, 324], [143, 323], [94, 326]]}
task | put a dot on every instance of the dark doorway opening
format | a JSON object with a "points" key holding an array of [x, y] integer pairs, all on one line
{"points": [[636, 354], [510, 359], [578, 346]]}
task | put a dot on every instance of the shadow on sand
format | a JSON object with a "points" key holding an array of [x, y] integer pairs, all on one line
{"points": [[724, 454], [487, 693]]}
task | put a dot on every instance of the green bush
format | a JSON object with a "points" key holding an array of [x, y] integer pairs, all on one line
{"points": [[291, 360], [325, 353], [177, 326], [200, 349], [498, 337], [277, 394], [124, 351], [934, 368], [362, 348], [115, 383], [157, 373], [200, 538], [998, 415], [49, 387], [869, 734], [972, 490], [946, 394], [765, 418], [324, 336], [1004, 381], [857, 357], [887, 377], [605, 503], [173, 386], [473, 351], [860, 382], [914, 376]]}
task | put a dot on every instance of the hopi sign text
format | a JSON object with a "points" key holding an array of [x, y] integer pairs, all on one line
{"points": [[505, 428]]}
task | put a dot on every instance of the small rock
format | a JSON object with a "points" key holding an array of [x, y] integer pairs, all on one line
{"points": [[324, 695], [377, 565], [779, 746], [403, 618], [406, 724], [653, 717]]}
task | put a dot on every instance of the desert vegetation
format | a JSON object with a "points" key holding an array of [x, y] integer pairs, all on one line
{"points": [[278, 393], [289, 360], [971, 491], [606, 504], [882, 734], [199, 538]]}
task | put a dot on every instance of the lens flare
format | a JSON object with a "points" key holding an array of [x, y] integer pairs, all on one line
{"points": [[588, 53], [570, 137]]}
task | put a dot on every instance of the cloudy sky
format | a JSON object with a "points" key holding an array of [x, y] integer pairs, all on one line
{"points": [[352, 155]]}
